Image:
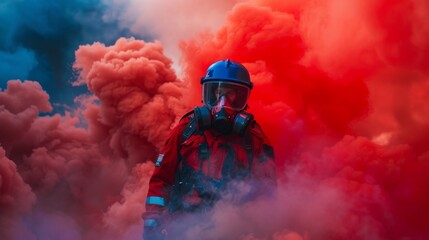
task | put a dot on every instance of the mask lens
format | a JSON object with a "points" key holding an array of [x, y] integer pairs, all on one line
{"points": [[235, 95]]}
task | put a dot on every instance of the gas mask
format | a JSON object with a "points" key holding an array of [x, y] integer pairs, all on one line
{"points": [[223, 110]]}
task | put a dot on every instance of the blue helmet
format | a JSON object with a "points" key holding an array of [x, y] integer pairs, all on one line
{"points": [[227, 71], [226, 88], [226, 79]]}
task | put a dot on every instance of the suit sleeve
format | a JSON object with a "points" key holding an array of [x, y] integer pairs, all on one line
{"points": [[163, 177]]}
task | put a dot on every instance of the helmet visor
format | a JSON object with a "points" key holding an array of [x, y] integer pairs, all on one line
{"points": [[235, 95]]}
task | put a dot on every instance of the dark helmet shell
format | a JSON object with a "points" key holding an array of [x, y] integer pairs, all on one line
{"points": [[228, 71]]}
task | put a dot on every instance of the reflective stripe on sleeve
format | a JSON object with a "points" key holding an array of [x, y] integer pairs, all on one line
{"points": [[150, 223], [155, 200]]}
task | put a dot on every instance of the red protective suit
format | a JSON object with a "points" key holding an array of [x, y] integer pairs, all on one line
{"points": [[214, 159]]}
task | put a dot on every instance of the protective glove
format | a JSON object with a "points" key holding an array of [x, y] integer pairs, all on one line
{"points": [[154, 233], [153, 223]]}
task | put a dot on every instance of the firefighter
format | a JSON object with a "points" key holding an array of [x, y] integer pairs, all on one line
{"points": [[211, 146]]}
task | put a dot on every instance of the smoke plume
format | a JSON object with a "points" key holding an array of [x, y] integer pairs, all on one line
{"points": [[340, 89]]}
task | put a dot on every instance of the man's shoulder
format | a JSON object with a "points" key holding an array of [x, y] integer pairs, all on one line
{"points": [[178, 130], [185, 120], [183, 123], [256, 131], [187, 117]]}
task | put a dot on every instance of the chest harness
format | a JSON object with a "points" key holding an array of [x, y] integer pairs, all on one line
{"points": [[188, 180]]}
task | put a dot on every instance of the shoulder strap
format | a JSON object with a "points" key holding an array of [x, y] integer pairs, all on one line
{"points": [[190, 129], [187, 114], [248, 146]]}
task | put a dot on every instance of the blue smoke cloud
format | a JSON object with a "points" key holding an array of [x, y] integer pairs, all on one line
{"points": [[38, 40], [18, 64]]}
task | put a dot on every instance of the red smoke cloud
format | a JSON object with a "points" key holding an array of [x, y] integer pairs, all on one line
{"points": [[89, 182], [340, 89], [16, 198], [138, 91]]}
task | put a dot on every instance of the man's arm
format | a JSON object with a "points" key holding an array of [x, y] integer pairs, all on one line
{"points": [[160, 184]]}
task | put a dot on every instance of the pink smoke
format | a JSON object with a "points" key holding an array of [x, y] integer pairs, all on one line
{"points": [[90, 182], [185, 19], [16, 199]]}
